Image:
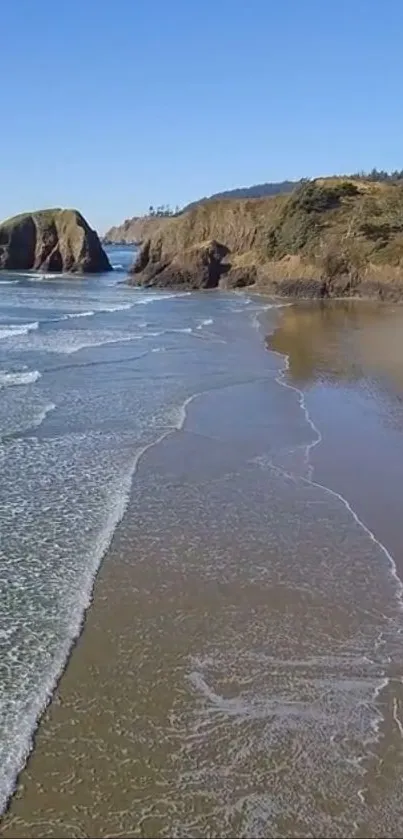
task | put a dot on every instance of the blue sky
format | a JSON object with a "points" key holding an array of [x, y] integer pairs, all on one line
{"points": [[112, 106]]}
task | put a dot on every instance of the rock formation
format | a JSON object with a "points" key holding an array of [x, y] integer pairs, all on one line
{"points": [[200, 266], [134, 230], [51, 240], [329, 238]]}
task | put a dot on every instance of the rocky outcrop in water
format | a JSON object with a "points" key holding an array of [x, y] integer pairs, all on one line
{"points": [[196, 267], [51, 240]]}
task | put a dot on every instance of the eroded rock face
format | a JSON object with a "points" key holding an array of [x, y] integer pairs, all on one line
{"points": [[197, 267], [51, 240], [239, 277], [332, 237]]}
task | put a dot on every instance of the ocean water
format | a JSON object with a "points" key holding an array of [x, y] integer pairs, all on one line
{"points": [[169, 405], [78, 406]]}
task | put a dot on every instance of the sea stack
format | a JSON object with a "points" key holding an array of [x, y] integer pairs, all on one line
{"points": [[51, 240]]}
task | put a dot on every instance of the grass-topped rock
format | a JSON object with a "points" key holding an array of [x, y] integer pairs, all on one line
{"points": [[51, 240], [330, 237]]}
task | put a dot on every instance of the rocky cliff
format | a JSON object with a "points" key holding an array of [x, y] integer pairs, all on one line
{"points": [[51, 240], [330, 237], [134, 230]]}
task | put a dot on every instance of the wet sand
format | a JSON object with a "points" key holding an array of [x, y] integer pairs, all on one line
{"points": [[221, 686], [347, 358]]}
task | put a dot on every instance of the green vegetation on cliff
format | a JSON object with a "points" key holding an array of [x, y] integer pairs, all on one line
{"points": [[330, 236], [255, 191]]}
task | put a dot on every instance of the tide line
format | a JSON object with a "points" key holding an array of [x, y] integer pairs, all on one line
{"points": [[8, 780], [280, 379]]}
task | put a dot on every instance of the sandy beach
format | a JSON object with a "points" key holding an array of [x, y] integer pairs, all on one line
{"points": [[201, 421], [239, 672]]}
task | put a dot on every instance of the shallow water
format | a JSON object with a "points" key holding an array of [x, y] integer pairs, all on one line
{"points": [[84, 391], [239, 673]]}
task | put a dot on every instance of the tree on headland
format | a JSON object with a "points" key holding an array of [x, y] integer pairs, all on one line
{"points": [[162, 211], [380, 175]]}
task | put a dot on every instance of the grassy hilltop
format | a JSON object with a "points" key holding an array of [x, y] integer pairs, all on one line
{"points": [[330, 236]]}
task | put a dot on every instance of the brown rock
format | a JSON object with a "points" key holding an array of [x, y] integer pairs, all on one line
{"points": [[332, 237], [239, 277], [51, 240], [197, 267]]}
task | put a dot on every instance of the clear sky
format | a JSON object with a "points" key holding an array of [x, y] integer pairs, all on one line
{"points": [[112, 105]]}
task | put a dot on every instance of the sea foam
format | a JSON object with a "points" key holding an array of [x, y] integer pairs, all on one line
{"points": [[11, 330], [22, 377]]}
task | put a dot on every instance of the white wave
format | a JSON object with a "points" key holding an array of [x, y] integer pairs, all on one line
{"points": [[117, 266], [151, 298], [177, 415], [23, 377], [27, 723], [118, 307], [41, 415], [38, 278], [9, 330], [68, 341], [205, 322], [8, 282], [30, 422], [74, 342], [187, 330], [73, 315], [119, 497], [240, 293], [276, 306]]}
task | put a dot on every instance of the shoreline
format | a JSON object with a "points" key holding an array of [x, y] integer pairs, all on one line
{"points": [[78, 634], [75, 640], [123, 505], [382, 693], [281, 379], [266, 291], [80, 639]]}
